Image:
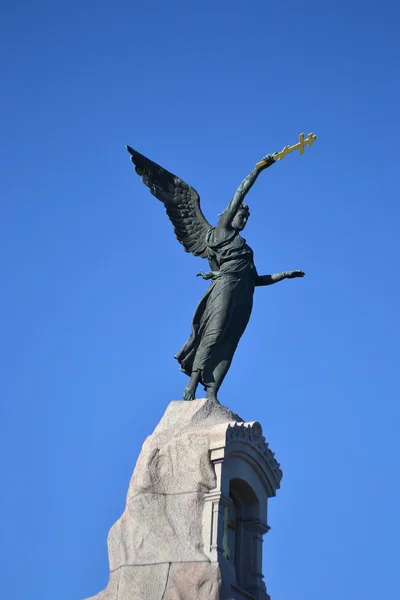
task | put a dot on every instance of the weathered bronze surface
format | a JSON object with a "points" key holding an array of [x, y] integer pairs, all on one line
{"points": [[224, 311]]}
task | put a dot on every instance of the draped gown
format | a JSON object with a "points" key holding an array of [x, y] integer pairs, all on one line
{"points": [[224, 311]]}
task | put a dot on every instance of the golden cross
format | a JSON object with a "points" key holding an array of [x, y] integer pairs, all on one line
{"points": [[287, 149]]}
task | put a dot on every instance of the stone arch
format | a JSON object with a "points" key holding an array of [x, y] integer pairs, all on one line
{"points": [[235, 510], [242, 493]]}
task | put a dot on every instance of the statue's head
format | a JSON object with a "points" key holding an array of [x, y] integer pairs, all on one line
{"points": [[240, 219]]}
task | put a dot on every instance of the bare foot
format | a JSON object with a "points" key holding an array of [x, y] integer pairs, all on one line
{"points": [[211, 395], [189, 392]]}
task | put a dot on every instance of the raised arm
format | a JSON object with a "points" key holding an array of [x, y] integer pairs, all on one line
{"points": [[232, 208], [270, 279]]}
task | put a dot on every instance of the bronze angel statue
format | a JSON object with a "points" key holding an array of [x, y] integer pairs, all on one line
{"points": [[224, 311]]}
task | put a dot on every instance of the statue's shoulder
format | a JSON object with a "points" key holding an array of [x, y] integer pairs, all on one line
{"points": [[219, 236]]}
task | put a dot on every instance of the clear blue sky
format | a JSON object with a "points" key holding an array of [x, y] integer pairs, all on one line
{"points": [[97, 295]]}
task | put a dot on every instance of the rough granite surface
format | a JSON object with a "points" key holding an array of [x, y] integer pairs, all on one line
{"points": [[156, 547]]}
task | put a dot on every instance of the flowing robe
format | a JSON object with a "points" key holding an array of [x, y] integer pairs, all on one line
{"points": [[224, 311]]}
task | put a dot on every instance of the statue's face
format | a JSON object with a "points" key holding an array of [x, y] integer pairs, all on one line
{"points": [[240, 219]]}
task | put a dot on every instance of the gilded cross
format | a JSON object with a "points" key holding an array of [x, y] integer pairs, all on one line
{"points": [[287, 149]]}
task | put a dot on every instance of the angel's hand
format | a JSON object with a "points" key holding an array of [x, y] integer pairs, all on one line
{"points": [[293, 274], [266, 162], [209, 275]]}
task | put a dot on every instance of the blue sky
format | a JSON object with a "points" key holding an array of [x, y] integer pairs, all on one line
{"points": [[97, 295]]}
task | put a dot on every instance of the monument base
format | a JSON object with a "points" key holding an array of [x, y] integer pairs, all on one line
{"points": [[196, 510]]}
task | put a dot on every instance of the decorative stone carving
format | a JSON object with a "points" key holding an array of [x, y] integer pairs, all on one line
{"points": [[196, 510], [252, 433]]}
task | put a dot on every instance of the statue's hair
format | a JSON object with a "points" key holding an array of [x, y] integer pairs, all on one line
{"points": [[243, 206]]}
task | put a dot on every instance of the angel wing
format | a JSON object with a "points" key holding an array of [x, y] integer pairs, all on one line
{"points": [[181, 202]]}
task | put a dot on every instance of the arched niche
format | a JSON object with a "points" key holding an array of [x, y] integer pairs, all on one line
{"points": [[235, 511], [244, 513]]}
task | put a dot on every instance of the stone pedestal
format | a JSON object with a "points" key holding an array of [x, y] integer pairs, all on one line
{"points": [[196, 510]]}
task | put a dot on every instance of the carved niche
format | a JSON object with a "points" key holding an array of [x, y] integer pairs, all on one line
{"points": [[235, 511]]}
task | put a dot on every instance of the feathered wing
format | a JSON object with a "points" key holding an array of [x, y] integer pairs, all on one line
{"points": [[181, 202]]}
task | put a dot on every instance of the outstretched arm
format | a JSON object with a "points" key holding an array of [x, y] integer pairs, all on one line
{"points": [[243, 189], [270, 279]]}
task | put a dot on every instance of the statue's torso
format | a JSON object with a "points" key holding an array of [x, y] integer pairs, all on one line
{"points": [[229, 252]]}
